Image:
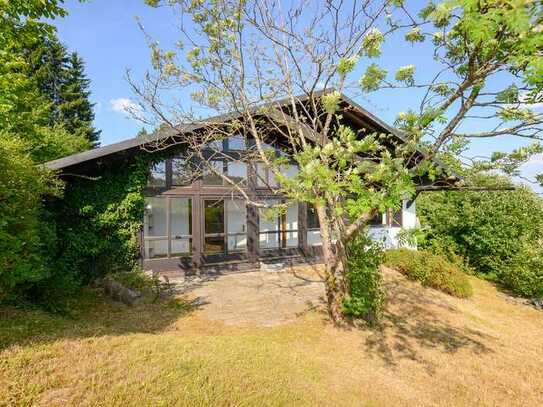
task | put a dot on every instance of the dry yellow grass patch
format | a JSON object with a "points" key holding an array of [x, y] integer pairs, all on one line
{"points": [[431, 350]]}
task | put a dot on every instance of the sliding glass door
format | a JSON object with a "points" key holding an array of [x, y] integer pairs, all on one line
{"points": [[225, 226]]}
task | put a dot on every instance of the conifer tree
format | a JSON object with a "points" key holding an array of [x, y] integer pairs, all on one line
{"points": [[76, 110]]}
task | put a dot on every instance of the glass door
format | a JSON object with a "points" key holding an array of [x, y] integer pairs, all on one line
{"points": [[225, 224], [167, 228], [214, 235], [236, 225]]}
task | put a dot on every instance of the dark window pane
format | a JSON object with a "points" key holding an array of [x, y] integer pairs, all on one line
{"points": [[394, 218], [377, 220], [312, 218], [397, 219], [214, 217], [157, 177], [211, 177], [181, 172]]}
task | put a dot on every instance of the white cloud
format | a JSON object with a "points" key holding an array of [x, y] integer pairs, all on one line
{"points": [[126, 106]]}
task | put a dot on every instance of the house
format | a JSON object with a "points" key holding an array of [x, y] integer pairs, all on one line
{"points": [[206, 225]]}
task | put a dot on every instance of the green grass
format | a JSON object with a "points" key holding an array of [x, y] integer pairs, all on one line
{"points": [[171, 354], [430, 270]]}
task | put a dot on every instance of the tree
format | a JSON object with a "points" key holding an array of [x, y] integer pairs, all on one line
{"points": [[61, 79], [243, 56], [76, 110], [498, 232], [27, 137]]}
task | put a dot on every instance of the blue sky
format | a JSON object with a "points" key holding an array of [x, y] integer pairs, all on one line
{"points": [[106, 35]]}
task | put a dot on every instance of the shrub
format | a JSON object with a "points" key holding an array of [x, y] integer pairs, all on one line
{"points": [[25, 235], [135, 279], [496, 232], [524, 274], [431, 270], [367, 294]]}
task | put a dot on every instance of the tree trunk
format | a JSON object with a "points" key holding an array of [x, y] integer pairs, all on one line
{"points": [[335, 267]]}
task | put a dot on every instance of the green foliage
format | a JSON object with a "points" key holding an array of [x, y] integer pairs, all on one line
{"points": [[367, 294], [25, 238], [62, 81], [499, 233], [100, 219], [372, 78], [405, 74], [135, 279], [431, 270]]}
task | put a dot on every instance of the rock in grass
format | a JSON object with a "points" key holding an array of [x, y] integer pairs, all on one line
{"points": [[120, 293]]}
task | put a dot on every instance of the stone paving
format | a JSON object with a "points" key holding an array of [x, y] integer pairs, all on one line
{"points": [[266, 298]]}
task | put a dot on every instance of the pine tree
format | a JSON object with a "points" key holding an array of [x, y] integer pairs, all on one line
{"points": [[61, 79], [48, 61], [75, 109]]}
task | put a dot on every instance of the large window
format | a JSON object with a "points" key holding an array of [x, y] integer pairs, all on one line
{"points": [[157, 177], [265, 177], [235, 170], [181, 172], [212, 176], [278, 230], [225, 226], [236, 142], [167, 227]]}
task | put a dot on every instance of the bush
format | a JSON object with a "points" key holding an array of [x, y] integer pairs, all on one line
{"points": [[431, 270], [367, 294], [497, 232], [26, 236], [524, 274]]}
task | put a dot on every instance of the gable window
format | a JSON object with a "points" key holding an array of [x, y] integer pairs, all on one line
{"points": [[237, 172], [181, 172], [157, 177], [213, 177], [265, 177], [236, 142]]}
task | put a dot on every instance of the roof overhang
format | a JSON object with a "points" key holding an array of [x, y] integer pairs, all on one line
{"points": [[348, 108]]}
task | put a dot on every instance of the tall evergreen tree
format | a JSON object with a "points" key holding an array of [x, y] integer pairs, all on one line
{"points": [[61, 79], [76, 110]]}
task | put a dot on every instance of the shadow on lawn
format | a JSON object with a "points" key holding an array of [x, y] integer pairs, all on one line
{"points": [[414, 322], [92, 315]]}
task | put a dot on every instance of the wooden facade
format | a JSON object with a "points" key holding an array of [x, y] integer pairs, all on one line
{"points": [[248, 257], [183, 243]]}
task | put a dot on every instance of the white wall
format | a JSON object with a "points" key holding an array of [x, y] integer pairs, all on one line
{"points": [[389, 235], [385, 234]]}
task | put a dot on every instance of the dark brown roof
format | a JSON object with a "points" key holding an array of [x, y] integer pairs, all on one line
{"points": [[348, 106]]}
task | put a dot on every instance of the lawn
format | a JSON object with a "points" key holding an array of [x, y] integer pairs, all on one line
{"points": [[432, 349]]}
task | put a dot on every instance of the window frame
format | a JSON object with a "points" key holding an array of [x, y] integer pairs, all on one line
{"points": [[168, 237]]}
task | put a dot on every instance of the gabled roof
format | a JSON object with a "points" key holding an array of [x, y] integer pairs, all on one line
{"points": [[347, 107]]}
